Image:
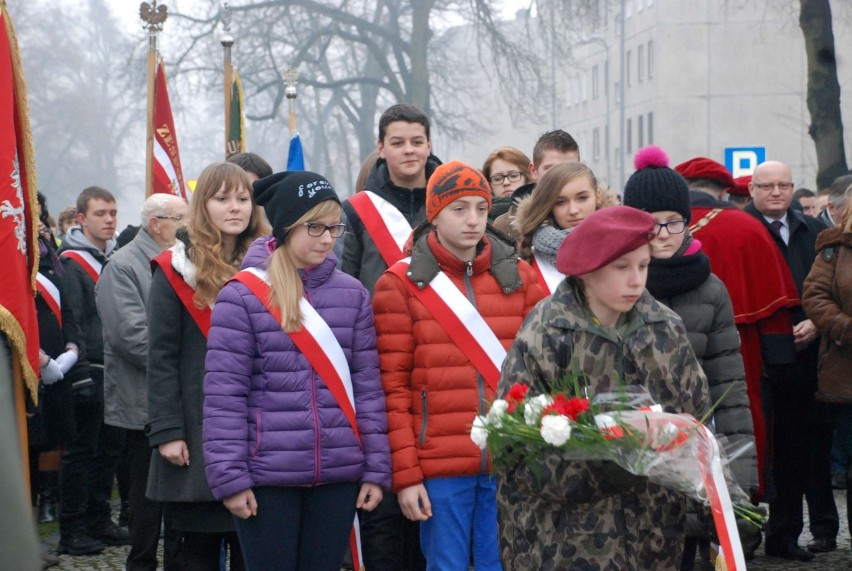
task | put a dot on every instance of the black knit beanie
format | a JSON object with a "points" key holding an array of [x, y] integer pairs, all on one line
{"points": [[655, 187], [287, 196]]}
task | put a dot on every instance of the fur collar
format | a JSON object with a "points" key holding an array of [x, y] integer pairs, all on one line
{"points": [[182, 264]]}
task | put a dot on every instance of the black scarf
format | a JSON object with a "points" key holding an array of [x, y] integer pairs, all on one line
{"points": [[678, 274]]}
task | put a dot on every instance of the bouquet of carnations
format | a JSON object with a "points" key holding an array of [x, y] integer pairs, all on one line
{"points": [[626, 427]]}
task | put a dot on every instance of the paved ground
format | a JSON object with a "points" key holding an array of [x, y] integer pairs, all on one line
{"points": [[114, 557]]}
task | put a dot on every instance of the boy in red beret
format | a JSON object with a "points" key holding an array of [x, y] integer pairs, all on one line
{"points": [[600, 321], [444, 319]]}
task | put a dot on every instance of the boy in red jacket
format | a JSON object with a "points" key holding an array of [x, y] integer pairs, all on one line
{"points": [[445, 317]]}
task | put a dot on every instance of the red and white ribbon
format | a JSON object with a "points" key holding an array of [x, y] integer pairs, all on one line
{"points": [[86, 261], [549, 276], [50, 294]]}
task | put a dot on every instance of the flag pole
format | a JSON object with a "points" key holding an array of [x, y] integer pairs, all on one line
{"points": [[227, 41], [153, 16], [290, 77]]}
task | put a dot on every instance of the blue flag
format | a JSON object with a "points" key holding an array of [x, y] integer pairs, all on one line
{"points": [[295, 157]]}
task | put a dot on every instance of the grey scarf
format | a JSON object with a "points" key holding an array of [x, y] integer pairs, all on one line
{"points": [[546, 242]]}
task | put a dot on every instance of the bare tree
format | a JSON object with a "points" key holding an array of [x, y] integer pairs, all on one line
{"points": [[826, 127], [85, 107]]}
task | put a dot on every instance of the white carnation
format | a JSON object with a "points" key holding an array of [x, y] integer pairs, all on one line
{"points": [[555, 429], [495, 415], [479, 432], [533, 408]]}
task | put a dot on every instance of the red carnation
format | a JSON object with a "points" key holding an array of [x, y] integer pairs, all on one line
{"points": [[572, 408], [515, 395]]}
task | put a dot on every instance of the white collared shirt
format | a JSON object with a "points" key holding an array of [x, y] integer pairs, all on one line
{"points": [[785, 227]]}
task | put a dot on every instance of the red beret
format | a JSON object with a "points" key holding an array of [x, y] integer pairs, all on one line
{"points": [[701, 167], [603, 237], [740, 187]]}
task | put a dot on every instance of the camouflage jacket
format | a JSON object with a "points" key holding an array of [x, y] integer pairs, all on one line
{"points": [[595, 515]]}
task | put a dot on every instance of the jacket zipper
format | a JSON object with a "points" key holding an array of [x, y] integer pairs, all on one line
{"points": [[480, 382], [425, 413], [316, 428], [257, 416]]}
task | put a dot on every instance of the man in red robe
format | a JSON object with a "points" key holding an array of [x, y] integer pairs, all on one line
{"points": [[762, 290]]}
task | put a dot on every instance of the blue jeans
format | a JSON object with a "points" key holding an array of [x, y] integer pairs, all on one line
{"points": [[463, 508]]}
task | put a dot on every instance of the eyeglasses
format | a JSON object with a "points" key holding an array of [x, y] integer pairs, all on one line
{"points": [[673, 227], [315, 229], [513, 176], [771, 185], [175, 218]]}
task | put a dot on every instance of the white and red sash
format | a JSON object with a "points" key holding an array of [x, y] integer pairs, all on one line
{"points": [[461, 321], [385, 224], [86, 261], [50, 294], [315, 340], [184, 291], [321, 348], [548, 276]]}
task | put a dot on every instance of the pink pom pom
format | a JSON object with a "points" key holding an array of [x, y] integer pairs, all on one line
{"points": [[651, 157]]}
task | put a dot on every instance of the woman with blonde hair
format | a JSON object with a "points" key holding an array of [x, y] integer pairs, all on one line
{"points": [[294, 413], [187, 277], [563, 198]]}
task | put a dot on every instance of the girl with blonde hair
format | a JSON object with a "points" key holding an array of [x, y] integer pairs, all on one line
{"points": [[564, 197], [223, 223], [294, 413]]}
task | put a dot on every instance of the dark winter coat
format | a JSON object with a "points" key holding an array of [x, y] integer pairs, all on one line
{"points": [[79, 291], [594, 515], [701, 300], [269, 419], [361, 257], [828, 302], [176, 352]]}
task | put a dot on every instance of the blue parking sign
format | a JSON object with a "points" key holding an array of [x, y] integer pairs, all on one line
{"points": [[742, 160]]}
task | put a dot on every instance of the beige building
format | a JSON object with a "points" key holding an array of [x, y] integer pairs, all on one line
{"points": [[700, 77]]}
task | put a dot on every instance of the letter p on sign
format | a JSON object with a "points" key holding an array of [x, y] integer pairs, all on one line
{"points": [[742, 160]]}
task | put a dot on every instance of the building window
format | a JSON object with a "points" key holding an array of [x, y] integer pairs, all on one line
{"points": [[595, 82], [640, 132], [628, 8], [639, 5], [650, 59], [629, 68], [629, 136], [596, 144], [618, 92], [650, 128], [640, 63]]}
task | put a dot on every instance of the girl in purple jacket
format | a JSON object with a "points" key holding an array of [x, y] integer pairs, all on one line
{"points": [[294, 433]]}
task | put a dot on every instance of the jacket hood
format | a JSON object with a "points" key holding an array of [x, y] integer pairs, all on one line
{"points": [[428, 257], [833, 237], [522, 213], [75, 239]]}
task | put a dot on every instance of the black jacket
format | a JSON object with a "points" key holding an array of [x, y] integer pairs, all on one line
{"points": [[361, 257]]}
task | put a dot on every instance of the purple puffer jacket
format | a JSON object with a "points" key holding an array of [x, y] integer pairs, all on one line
{"points": [[269, 420]]}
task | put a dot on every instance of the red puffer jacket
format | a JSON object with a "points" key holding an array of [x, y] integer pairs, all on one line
{"points": [[433, 391]]}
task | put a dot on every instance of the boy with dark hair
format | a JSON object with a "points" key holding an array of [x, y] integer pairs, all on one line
{"points": [[88, 464], [255, 165], [379, 220], [551, 149]]}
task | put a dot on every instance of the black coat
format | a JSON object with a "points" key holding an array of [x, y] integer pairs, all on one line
{"points": [[361, 257]]}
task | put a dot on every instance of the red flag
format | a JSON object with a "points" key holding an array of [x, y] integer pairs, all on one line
{"points": [[18, 222], [168, 175]]}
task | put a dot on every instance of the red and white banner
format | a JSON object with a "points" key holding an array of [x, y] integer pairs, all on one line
{"points": [[18, 222], [184, 291], [315, 340], [461, 321], [86, 261], [548, 276], [384, 223], [50, 294], [168, 175]]}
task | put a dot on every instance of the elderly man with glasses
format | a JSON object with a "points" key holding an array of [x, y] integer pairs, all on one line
{"points": [[800, 428]]}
